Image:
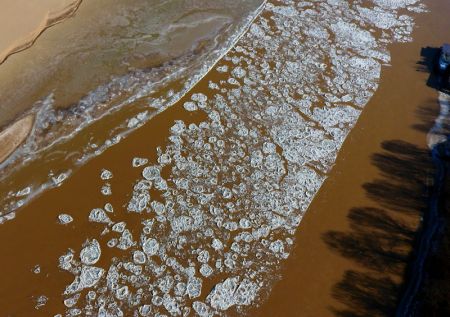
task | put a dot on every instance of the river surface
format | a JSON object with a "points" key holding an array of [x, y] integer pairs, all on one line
{"points": [[168, 174]]}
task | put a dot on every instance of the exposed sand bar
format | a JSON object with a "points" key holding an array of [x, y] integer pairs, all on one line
{"points": [[22, 21], [14, 135]]}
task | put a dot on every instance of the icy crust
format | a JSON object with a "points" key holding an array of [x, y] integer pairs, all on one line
{"points": [[239, 183]]}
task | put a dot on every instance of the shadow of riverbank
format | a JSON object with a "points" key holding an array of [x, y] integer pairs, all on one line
{"points": [[384, 239], [380, 238]]}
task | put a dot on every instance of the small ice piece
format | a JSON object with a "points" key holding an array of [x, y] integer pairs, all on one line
{"points": [[145, 310], [126, 240], [122, 292], [105, 175], [89, 276], [158, 207], [164, 159], [64, 219], [99, 215], [238, 72], [203, 256], [222, 69], [194, 287], [157, 300], [91, 252], [151, 172], [161, 184], [139, 161], [217, 244], [199, 97], [106, 189], [178, 127], [150, 247], [171, 305], [112, 243], [133, 122], [37, 269], [60, 178], [180, 289], [70, 302], [347, 98], [74, 312], [245, 223], [165, 283], [119, 227], [201, 309], [190, 106], [206, 270], [269, 148], [109, 208], [91, 295], [138, 203], [65, 261], [277, 247], [24, 192], [41, 301], [139, 257], [233, 81]]}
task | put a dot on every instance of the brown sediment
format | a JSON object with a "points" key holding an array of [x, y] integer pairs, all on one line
{"points": [[353, 245], [37, 22], [14, 135]]}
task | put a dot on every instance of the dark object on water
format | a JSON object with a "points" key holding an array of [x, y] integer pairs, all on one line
{"points": [[443, 66]]}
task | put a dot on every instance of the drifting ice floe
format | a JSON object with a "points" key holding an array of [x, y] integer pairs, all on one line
{"points": [[64, 219]]}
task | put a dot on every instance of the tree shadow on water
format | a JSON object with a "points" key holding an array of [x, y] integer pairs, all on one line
{"points": [[380, 237]]}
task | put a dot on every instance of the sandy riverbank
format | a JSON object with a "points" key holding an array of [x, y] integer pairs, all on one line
{"points": [[22, 21], [14, 135]]}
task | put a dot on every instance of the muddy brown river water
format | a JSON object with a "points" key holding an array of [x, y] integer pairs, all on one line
{"points": [[258, 140]]}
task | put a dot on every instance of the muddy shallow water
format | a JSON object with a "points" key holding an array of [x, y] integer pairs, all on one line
{"points": [[208, 215]]}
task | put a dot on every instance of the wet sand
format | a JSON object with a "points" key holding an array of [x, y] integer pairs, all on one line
{"points": [[14, 135], [349, 257], [22, 21]]}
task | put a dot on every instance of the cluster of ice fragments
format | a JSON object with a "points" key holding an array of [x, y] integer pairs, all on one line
{"points": [[214, 232]]}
